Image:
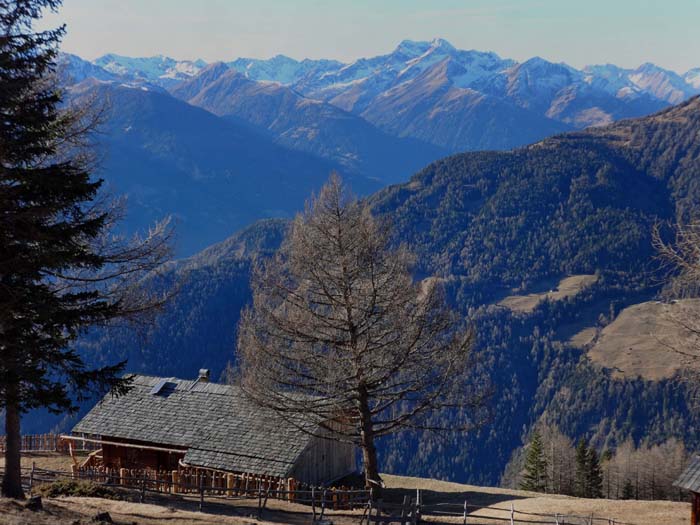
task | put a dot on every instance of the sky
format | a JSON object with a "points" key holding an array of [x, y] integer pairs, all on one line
{"points": [[578, 32]]}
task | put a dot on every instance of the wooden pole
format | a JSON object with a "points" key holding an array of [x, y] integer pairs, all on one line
{"points": [[267, 495], [512, 514], [143, 487], [419, 503], [313, 502], [230, 481], [31, 477], [201, 493], [465, 513]]}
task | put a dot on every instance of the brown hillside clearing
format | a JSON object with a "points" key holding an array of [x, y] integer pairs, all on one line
{"points": [[639, 342], [567, 287]]}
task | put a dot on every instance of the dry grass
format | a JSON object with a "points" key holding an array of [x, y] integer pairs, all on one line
{"points": [[47, 460], [637, 342], [567, 287], [492, 499], [81, 511], [584, 337]]}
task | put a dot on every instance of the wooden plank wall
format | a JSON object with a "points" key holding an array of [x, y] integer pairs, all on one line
{"points": [[324, 460]]}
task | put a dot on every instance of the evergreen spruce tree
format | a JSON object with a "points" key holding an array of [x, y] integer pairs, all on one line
{"points": [[535, 476], [60, 269], [581, 482], [628, 490], [595, 475]]}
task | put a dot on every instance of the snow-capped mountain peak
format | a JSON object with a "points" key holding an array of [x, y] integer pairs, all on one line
{"points": [[442, 44]]}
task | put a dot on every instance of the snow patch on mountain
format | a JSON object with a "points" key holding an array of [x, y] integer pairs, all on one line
{"points": [[281, 68], [692, 78], [158, 69]]}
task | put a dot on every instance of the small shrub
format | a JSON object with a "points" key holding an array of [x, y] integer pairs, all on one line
{"points": [[73, 487]]}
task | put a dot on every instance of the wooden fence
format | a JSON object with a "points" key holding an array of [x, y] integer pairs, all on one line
{"points": [[480, 514], [204, 487], [47, 443], [192, 480]]}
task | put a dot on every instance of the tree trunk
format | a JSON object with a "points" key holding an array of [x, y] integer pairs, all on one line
{"points": [[373, 481], [12, 478]]}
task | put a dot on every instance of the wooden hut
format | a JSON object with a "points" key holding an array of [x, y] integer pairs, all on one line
{"points": [[169, 423], [690, 480]]}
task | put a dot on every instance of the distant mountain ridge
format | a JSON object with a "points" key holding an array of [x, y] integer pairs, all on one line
{"points": [[307, 125], [452, 99]]}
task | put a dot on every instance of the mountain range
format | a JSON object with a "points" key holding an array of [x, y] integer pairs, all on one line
{"points": [[201, 141], [440, 80]]}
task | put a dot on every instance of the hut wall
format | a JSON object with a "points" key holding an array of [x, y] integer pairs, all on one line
{"points": [[324, 460], [129, 457]]}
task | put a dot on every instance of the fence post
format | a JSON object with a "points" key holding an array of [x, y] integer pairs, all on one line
{"points": [[313, 502], [512, 514], [323, 503], [31, 477], [230, 480], [556, 519], [465, 512], [404, 504], [143, 487], [264, 505], [259, 500], [419, 502], [201, 492]]}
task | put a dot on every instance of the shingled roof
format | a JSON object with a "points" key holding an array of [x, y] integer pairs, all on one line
{"points": [[690, 479], [220, 428]]}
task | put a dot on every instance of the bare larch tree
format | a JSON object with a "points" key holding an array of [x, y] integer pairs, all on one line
{"points": [[340, 338]]}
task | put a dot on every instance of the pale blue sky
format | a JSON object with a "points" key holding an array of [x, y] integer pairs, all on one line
{"points": [[579, 32]]}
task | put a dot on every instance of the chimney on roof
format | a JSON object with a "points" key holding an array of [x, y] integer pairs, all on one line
{"points": [[203, 375]]}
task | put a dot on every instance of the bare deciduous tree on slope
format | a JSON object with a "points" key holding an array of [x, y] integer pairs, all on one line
{"points": [[338, 327]]}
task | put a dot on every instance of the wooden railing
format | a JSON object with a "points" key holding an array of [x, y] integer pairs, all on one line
{"points": [[47, 443], [190, 480]]}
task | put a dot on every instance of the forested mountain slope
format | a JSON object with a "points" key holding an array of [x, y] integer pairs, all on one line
{"points": [[493, 225], [503, 224]]}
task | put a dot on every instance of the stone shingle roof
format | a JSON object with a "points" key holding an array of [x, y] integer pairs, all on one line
{"points": [[220, 428], [690, 479]]}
